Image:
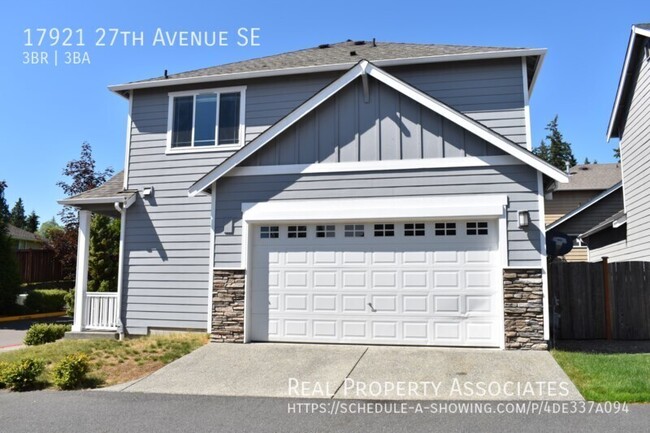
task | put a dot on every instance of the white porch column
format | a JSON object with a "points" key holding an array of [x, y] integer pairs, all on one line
{"points": [[81, 278]]}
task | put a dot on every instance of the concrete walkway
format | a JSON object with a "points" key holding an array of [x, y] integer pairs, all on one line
{"points": [[361, 372]]}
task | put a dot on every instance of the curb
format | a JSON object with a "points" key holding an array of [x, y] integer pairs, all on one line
{"points": [[31, 316]]}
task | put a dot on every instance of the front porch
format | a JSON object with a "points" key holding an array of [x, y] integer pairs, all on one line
{"points": [[98, 314]]}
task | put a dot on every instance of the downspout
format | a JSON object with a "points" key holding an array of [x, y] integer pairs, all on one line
{"points": [[120, 266]]}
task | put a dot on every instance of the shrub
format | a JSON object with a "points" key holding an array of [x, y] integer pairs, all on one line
{"points": [[41, 333], [46, 300], [69, 303], [70, 372], [3, 369], [22, 375]]}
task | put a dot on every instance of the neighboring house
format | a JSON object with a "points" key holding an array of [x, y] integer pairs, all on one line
{"points": [[25, 240], [357, 192], [626, 235], [569, 201]]}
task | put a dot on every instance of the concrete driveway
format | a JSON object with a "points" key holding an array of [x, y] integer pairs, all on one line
{"points": [[361, 372]]}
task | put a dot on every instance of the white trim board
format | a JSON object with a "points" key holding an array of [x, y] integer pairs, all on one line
{"points": [[128, 201], [405, 164], [118, 88], [586, 205], [634, 33], [364, 67], [376, 209]]}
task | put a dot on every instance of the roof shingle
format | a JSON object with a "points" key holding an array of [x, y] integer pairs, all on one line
{"points": [[592, 177]]}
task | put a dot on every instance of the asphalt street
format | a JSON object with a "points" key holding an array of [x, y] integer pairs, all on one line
{"points": [[99, 411]]}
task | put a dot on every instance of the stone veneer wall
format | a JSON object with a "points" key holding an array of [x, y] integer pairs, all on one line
{"points": [[228, 306], [524, 309]]}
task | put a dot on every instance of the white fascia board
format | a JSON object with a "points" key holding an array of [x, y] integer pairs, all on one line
{"points": [[117, 88], [467, 123], [127, 200], [277, 128], [375, 209], [622, 81], [393, 165], [584, 206], [533, 80]]}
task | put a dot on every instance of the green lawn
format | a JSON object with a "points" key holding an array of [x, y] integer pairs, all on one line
{"points": [[113, 361], [608, 377]]}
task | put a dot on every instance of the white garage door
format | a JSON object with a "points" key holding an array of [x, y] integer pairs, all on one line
{"points": [[425, 283]]}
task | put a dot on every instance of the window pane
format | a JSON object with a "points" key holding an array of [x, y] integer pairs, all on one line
{"points": [[206, 120], [229, 118], [182, 121]]}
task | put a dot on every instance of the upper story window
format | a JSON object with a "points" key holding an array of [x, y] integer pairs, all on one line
{"points": [[206, 118]]}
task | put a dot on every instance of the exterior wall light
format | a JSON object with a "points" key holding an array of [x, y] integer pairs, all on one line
{"points": [[524, 218], [147, 191]]}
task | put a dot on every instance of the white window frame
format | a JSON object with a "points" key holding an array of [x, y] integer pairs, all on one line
{"points": [[215, 146]]}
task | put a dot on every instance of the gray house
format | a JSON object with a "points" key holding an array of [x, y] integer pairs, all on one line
{"points": [[625, 236], [359, 192]]}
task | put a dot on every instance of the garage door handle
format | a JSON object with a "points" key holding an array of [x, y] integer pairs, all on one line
{"points": [[371, 307]]}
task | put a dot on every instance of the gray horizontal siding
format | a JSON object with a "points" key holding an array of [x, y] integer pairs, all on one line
{"points": [[593, 215], [635, 152], [385, 126], [168, 232], [518, 182]]}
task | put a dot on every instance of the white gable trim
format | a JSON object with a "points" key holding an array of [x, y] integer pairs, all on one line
{"points": [[586, 205], [364, 67], [624, 78]]}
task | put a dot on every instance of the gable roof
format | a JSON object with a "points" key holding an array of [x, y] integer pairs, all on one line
{"points": [[337, 57], [639, 34], [584, 206], [591, 177], [361, 68], [23, 235]]}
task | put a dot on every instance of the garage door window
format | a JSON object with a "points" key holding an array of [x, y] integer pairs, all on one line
{"points": [[445, 229], [325, 231], [354, 230], [384, 230], [269, 232], [477, 228], [297, 232], [416, 229]]}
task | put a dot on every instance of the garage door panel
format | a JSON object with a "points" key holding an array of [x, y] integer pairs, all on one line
{"points": [[432, 290]]}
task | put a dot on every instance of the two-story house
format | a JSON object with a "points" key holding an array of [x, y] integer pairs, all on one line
{"points": [[625, 236], [358, 192]]}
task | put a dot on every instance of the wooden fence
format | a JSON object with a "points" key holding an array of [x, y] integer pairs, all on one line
{"points": [[600, 300], [38, 265]]}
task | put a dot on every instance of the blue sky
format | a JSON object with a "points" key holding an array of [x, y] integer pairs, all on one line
{"points": [[47, 111]]}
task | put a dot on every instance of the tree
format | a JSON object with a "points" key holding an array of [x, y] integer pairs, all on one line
{"points": [[31, 224], [587, 162], [47, 229], [84, 177], [9, 275], [617, 153], [18, 218], [557, 152], [104, 254]]}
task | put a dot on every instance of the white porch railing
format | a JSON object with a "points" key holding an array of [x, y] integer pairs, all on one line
{"points": [[101, 311]]}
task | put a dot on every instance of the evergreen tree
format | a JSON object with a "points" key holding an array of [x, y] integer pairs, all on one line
{"points": [[557, 152], [617, 153], [9, 275], [586, 161], [31, 224], [18, 218], [5, 214], [104, 254]]}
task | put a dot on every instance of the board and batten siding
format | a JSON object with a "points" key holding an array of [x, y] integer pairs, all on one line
{"points": [[167, 241], [519, 182], [593, 215], [635, 154], [381, 125]]}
